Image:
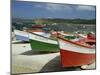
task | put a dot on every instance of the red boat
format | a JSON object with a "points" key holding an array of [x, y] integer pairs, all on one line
{"points": [[89, 39], [91, 36], [75, 53], [34, 30], [37, 26], [86, 41]]}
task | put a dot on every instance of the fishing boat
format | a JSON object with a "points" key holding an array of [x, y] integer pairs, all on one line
{"points": [[75, 54], [68, 36], [37, 26], [40, 32], [41, 43], [21, 35], [89, 39]]}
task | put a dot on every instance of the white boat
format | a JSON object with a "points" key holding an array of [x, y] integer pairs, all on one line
{"points": [[41, 43], [75, 54]]}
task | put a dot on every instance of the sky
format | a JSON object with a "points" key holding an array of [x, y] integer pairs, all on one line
{"points": [[33, 10]]}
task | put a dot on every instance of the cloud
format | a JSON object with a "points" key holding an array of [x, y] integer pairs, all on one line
{"points": [[57, 7], [89, 8], [38, 6], [63, 7], [54, 7]]}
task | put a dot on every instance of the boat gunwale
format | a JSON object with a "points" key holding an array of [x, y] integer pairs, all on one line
{"points": [[74, 43], [42, 36]]}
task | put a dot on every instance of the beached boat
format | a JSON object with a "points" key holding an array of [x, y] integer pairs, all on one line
{"points": [[21, 35], [68, 36], [38, 26], [39, 32], [43, 34], [41, 43], [75, 54]]}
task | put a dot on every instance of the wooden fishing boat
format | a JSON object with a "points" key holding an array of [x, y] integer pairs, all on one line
{"points": [[39, 32], [37, 26], [75, 54], [43, 34], [21, 35], [67, 35], [41, 43]]}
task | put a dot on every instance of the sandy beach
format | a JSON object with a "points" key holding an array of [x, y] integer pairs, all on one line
{"points": [[26, 60]]}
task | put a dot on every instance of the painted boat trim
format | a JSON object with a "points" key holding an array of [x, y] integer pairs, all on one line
{"points": [[43, 34], [74, 47], [41, 38], [42, 46], [74, 42], [21, 35]]}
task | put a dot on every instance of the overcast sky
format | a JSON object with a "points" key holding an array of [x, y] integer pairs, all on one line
{"points": [[31, 10]]}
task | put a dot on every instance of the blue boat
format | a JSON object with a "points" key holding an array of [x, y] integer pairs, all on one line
{"points": [[21, 35]]}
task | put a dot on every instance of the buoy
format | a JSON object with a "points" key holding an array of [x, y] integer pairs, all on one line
{"points": [[84, 66]]}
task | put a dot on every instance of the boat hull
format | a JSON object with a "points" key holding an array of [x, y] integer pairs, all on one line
{"points": [[39, 43], [75, 54], [21, 35], [22, 38], [70, 59]]}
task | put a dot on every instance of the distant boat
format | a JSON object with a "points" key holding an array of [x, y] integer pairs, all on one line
{"points": [[37, 26], [40, 32], [68, 36], [21, 35], [41, 43], [75, 54], [89, 39]]}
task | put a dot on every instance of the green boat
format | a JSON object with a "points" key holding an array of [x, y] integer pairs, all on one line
{"points": [[70, 37], [41, 43]]}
